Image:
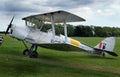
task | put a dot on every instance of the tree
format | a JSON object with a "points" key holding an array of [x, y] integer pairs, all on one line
{"points": [[70, 30], [84, 31]]}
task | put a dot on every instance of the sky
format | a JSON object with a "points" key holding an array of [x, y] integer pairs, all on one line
{"points": [[96, 12]]}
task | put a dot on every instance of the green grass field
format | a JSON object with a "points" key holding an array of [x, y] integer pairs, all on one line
{"points": [[52, 63]]}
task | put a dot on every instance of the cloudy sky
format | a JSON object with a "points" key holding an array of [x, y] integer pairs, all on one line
{"points": [[96, 12]]}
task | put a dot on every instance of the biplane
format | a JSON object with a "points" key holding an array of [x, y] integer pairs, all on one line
{"points": [[33, 34]]}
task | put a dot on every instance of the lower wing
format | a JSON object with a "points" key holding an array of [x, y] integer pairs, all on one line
{"points": [[61, 46]]}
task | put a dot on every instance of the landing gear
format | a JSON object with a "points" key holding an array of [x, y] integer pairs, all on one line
{"points": [[103, 54], [26, 52], [32, 52]]}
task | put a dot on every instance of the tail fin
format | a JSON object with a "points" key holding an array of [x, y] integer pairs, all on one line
{"points": [[107, 45]]}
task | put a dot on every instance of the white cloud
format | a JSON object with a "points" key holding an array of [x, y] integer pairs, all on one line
{"points": [[106, 12], [115, 6]]}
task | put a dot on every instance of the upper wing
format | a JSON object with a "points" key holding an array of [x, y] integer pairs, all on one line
{"points": [[59, 17]]}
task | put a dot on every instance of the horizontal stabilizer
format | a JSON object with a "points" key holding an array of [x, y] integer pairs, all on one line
{"points": [[111, 53]]}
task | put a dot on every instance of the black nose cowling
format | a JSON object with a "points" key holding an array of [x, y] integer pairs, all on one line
{"points": [[9, 26]]}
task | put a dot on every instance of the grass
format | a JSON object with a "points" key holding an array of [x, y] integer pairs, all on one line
{"points": [[52, 63]]}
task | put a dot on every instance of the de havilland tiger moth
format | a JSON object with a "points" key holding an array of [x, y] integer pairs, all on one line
{"points": [[33, 34]]}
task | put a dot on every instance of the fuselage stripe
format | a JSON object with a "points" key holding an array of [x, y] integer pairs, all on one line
{"points": [[74, 42]]}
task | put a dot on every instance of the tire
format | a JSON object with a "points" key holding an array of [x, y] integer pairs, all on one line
{"points": [[33, 54], [103, 54], [26, 52]]}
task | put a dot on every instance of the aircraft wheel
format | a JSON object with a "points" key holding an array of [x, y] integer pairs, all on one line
{"points": [[26, 52], [33, 54], [103, 54]]}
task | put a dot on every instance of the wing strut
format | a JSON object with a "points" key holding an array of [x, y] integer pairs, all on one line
{"points": [[65, 31], [53, 27]]}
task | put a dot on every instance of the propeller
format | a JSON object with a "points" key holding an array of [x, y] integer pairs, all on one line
{"points": [[9, 26]]}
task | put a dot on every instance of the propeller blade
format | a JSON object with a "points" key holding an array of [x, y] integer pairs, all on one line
{"points": [[9, 26]]}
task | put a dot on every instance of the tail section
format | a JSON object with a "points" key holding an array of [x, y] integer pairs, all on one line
{"points": [[107, 45]]}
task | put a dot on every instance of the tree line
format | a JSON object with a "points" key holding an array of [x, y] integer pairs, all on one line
{"points": [[97, 31], [85, 30]]}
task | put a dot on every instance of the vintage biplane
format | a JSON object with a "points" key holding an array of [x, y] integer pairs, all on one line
{"points": [[33, 34]]}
